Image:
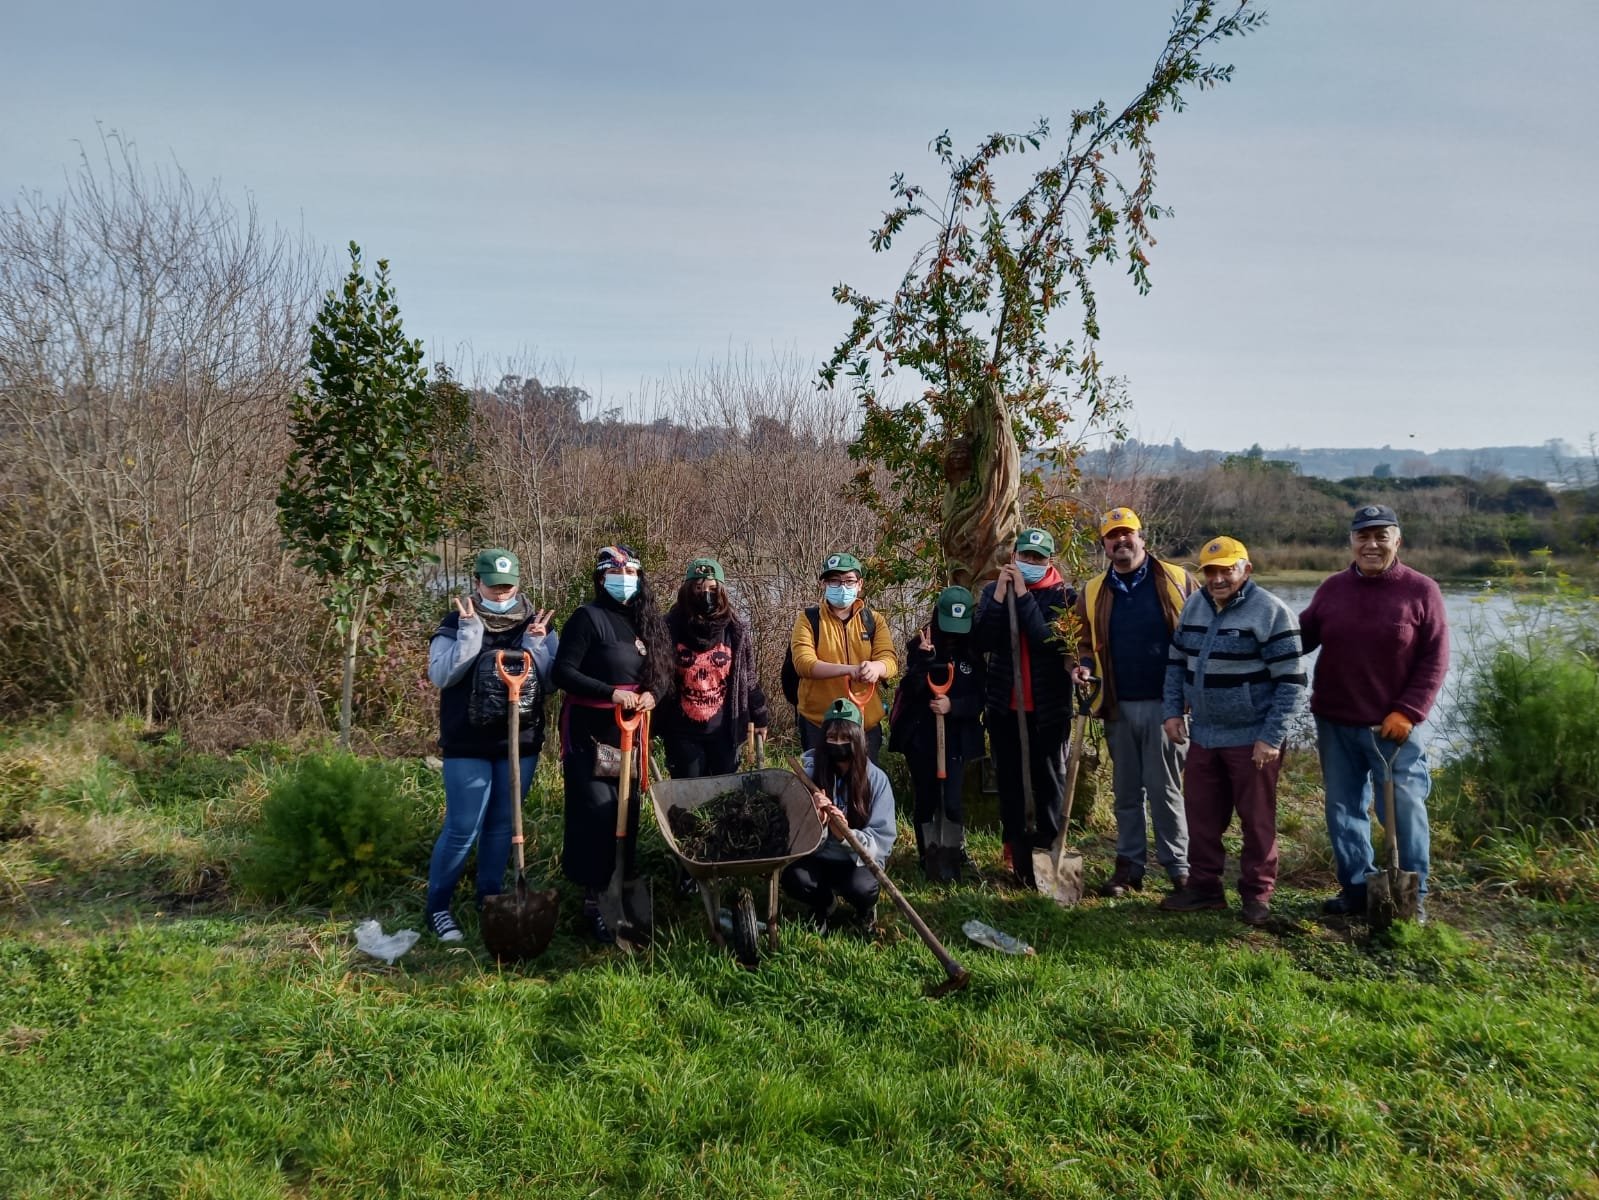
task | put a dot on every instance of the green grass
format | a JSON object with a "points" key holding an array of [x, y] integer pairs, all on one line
{"points": [[160, 1043]]}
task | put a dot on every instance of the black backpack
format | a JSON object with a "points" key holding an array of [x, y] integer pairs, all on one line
{"points": [[791, 679]]}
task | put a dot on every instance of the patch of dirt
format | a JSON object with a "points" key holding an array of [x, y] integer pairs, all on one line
{"points": [[737, 824]]}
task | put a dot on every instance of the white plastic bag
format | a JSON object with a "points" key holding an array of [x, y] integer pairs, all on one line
{"points": [[987, 935], [370, 939]]}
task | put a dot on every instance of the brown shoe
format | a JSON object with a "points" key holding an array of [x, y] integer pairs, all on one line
{"points": [[1126, 878], [1255, 912]]}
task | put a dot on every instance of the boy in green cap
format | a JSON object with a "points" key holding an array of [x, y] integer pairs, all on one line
{"points": [[839, 648]]}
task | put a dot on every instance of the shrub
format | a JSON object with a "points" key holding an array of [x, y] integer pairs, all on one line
{"points": [[339, 826], [1531, 719]]}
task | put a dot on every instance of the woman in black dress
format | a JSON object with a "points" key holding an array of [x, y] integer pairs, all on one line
{"points": [[614, 653]]}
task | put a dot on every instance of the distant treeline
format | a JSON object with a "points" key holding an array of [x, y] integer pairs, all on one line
{"points": [[1454, 525]]}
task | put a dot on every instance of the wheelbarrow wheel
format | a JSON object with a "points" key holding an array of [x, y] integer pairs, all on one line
{"points": [[746, 938]]}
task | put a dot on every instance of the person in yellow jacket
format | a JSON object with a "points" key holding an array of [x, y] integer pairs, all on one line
{"points": [[841, 647], [1126, 617]]}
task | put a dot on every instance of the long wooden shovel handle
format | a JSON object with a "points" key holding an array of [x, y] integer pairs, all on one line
{"points": [[941, 689], [624, 782], [513, 690], [1084, 696], [1031, 808], [1390, 813], [840, 829]]}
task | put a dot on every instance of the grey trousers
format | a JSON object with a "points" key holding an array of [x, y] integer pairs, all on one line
{"points": [[1147, 767]]}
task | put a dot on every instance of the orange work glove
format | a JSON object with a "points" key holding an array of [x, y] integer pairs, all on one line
{"points": [[1396, 727]]}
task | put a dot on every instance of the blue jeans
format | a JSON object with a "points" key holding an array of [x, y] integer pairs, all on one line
{"points": [[1352, 774], [477, 808]]}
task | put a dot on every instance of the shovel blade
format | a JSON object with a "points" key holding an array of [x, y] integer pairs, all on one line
{"points": [[1059, 878], [1405, 888], [629, 910], [518, 925], [1379, 900]]}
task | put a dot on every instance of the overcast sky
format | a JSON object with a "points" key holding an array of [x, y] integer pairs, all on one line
{"points": [[1385, 225]]}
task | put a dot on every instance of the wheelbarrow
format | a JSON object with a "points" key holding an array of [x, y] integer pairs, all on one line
{"points": [[805, 834]]}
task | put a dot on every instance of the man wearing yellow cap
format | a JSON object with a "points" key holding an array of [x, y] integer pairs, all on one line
{"points": [[1126, 617], [1236, 668]]}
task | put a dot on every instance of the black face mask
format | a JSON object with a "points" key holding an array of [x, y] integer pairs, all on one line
{"points": [[708, 602], [839, 752]]}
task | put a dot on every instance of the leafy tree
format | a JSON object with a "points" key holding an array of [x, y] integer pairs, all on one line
{"points": [[359, 505], [971, 319]]}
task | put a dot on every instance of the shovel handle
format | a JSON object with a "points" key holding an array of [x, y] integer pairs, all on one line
{"points": [[859, 699], [1031, 807], [513, 683], [941, 689], [840, 829]]}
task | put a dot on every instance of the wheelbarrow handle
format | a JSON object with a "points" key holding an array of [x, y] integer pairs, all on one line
{"points": [[513, 683]]}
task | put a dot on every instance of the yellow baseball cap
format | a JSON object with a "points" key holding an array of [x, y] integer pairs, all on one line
{"points": [[1222, 552], [1119, 518]]}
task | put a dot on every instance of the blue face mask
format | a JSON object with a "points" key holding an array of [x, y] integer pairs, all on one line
{"points": [[1033, 572], [621, 587], [496, 606], [841, 595]]}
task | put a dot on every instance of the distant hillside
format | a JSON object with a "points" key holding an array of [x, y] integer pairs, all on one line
{"points": [[1554, 461]]}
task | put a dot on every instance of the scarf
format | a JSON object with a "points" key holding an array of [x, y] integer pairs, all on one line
{"points": [[520, 612]]}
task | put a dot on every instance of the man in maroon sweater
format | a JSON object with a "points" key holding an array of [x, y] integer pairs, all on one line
{"points": [[1384, 649]]}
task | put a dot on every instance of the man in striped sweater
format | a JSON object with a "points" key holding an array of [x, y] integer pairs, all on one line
{"points": [[1235, 668]]}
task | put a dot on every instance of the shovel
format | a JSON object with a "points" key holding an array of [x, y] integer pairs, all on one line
{"points": [[1391, 895], [625, 903], [941, 689], [517, 925], [1036, 867], [955, 975], [1068, 864]]}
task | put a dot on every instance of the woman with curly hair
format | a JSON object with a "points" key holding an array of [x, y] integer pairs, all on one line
{"points": [[615, 653]]}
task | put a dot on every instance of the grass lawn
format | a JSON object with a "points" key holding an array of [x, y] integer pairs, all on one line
{"points": [[161, 1037]]}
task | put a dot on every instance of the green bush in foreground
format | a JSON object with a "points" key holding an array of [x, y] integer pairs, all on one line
{"points": [[1533, 723], [338, 826]]}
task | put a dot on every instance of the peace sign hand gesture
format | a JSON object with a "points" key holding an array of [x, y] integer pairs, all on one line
{"points": [[464, 608], [540, 625]]}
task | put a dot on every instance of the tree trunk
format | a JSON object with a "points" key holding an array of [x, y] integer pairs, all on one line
{"points": [[351, 640], [981, 513]]}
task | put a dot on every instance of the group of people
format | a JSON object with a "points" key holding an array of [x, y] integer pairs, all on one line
{"points": [[1200, 683]]}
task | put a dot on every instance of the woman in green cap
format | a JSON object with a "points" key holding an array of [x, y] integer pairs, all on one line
{"points": [[718, 697], [474, 729], [945, 677], [851, 785]]}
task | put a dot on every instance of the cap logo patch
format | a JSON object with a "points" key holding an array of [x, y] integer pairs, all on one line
{"points": [[502, 564], [1035, 538], [833, 562], [1213, 547], [1368, 512], [957, 610], [1116, 514]]}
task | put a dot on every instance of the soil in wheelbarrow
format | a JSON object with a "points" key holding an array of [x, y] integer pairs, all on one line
{"points": [[733, 825]]}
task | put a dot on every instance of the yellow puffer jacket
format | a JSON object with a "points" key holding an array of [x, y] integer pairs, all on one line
{"points": [[839, 642]]}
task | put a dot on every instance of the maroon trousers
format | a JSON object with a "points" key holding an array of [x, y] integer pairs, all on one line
{"points": [[1217, 783]]}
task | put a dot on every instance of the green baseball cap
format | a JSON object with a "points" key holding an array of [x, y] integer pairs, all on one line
{"points": [[704, 568], [842, 710], [497, 566], [955, 610], [1037, 540], [840, 563]]}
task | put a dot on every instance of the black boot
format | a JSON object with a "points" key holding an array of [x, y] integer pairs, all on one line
{"points": [[1349, 902], [1127, 877]]}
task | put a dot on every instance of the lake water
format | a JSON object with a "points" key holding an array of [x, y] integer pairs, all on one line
{"points": [[1477, 616]]}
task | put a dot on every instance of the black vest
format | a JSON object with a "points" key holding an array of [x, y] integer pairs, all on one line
{"points": [[458, 737]]}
